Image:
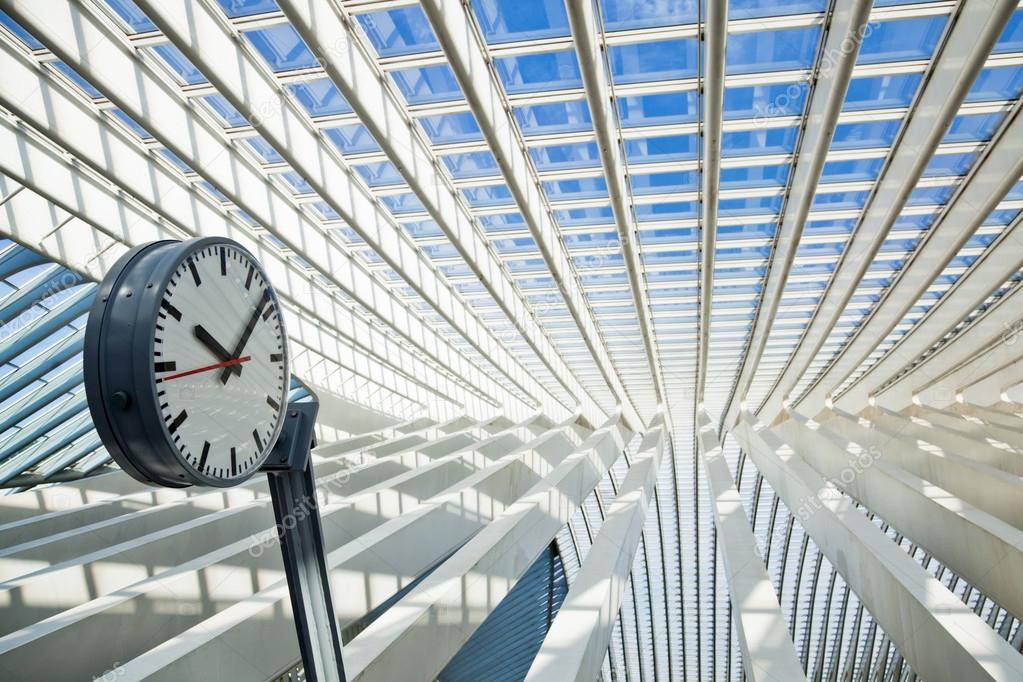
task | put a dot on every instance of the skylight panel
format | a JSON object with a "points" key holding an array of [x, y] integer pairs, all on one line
{"points": [[399, 31], [663, 183], [423, 229], [489, 195], [352, 139], [747, 9], [881, 92], [380, 173], [853, 170], [225, 111], [1011, 39], [471, 165], [619, 15], [184, 69], [786, 50], [244, 8], [565, 156], [451, 128], [928, 196], [319, 97], [764, 101], [427, 84], [754, 176], [950, 164], [511, 20], [601, 215], [657, 149], [653, 61], [263, 149], [23, 35], [583, 188], [757, 142], [503, 222], [556, 117], [996, 84], [749, 206], [78, 80], [973, 128], [282, 48], [539, 72], [831, 201], [669, 210], [660, 109], [901, 40], [865, 135], [131, 124], [133, 17]]}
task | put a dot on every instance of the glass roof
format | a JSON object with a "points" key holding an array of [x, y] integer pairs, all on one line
{"points": [[536, 299]]}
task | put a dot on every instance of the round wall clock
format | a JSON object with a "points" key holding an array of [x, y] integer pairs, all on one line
{"points": [[186, 363]]}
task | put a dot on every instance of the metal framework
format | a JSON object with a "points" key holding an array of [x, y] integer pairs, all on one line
{"points": [[791, 231]]}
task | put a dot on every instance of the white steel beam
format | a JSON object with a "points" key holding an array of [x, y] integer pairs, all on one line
{"points": [[599, 96], [715, 35], [841, 47], [940, 636], [990, 180], [100, 52], [976, 27], [456, 34], [983, 550], [200, 33], [416, 637], [578, 639], [768, 652]]}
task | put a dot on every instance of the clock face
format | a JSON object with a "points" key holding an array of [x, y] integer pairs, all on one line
{"points": [[220, 364]]}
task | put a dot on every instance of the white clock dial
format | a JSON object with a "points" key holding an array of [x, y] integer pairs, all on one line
{"points": [[220, 363]]}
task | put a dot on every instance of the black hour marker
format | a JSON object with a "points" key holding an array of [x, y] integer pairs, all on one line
{"points": [[234, 462], [177, 421], [168, 366], [171, 310], [223, 261], [276, 357], [205, 454], [259, 443], [273, 403], [268, 312], [248, 277], [195, 272]]}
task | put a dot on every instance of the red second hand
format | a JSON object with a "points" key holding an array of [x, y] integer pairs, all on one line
{"points": [[225, 363]]}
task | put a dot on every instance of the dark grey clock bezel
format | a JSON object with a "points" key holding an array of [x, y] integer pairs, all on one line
{"points": [[120, 379]]}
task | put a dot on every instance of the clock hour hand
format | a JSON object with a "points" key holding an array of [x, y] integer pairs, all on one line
{"points": [[214, 347], [247, 332]]}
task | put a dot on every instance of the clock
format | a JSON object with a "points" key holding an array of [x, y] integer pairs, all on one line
{"points": [[186, 363]]}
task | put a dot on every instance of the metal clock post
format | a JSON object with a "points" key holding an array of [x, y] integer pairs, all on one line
{"points": [[176, 406]]}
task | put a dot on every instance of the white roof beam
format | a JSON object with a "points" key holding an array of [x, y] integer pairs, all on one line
{"points": [[715, 36], [974, 31], [99, 52], [586, 35], [456, 33], [354, 74], [768, 652], [841, 48], [991, 179]]}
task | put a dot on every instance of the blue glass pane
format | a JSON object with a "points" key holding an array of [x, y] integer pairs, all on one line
{"points": [[352, 139], [380, 173], [666, 210], [179, 64], [976, 128], [851, 171], [176, 160], [914, 222], [557, 117], [749, 231], [490, 195], [136, 19], [507, 20], [787, 50], [421, 85], [901, 40], [1000, 83], [504, 222], [765, 101], [423, 228], [584, 216], [745, 9], [653, 149], [926, 196], [764, 141], [282, 47], [507, 246], [539, 72], [263, 149], [471, 164], [865, 135], [1011, 39], [402, 203], [661, 183], [637, 62], [450, 128], [319, 97], [216, 193], [755, 176], [881, 92], [1015, 193], [642, 110], [673, 236], [950, 164], [564, 156], [297, 183], [623, 14], [17, 30], [839, 200], [244, 8], [78, 80], [400, 31], [130, 122], [828, 227], [749, 206], [227, 114]]}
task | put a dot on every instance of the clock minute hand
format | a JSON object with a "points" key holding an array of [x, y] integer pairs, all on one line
{"points": [[246, 333], [214, 347]]}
